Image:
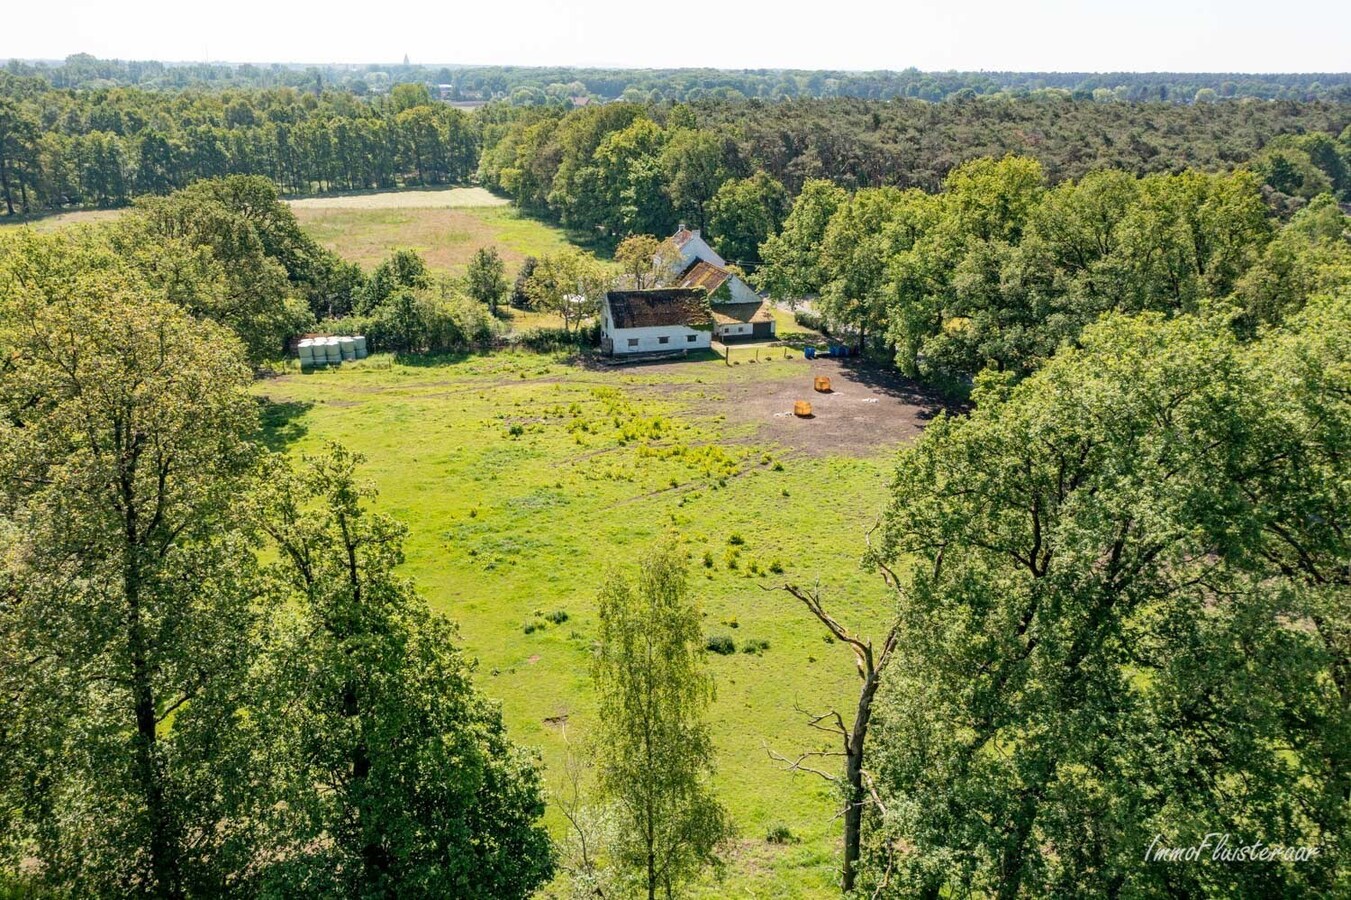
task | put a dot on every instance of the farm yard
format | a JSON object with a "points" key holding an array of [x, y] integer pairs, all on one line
{"points": [[523, 477]]}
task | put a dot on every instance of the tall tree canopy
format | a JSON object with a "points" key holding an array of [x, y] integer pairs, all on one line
{"points": [[129, 610], [394, 777], [1124, 620]]}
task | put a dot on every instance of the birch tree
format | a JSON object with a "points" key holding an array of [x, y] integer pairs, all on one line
{"points": [[654, 753]]}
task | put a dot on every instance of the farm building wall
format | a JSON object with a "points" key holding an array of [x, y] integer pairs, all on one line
{"points": [[697, 248], [741, 291], [678, 337]]}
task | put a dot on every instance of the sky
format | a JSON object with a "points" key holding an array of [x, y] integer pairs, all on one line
{"points": [[1032, 35]]}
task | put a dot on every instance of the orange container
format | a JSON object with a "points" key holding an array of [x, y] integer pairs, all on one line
{"points": [[822, 384], [802, 409]]}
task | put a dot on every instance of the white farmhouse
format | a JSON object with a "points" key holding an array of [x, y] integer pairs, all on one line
{"points": [[691, 246], [739, 312], [654, 321]]}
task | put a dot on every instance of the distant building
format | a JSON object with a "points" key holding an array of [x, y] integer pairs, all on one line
{"points": [[656, 320]]}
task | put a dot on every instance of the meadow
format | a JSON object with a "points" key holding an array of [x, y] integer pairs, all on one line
{"points": [[445, 225], [446, 236], [524, 478]]}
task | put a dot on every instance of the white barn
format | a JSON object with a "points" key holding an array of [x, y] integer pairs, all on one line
{"points": [[655, 321]]}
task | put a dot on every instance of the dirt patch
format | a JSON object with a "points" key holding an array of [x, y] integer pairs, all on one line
{"points": [[444, 198], [869, 407]]}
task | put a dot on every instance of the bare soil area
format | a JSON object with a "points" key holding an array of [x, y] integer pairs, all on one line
{"points": [[868, 407]]}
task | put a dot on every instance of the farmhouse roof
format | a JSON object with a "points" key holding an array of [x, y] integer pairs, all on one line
{"points": [[703, 274], [683, 235], [742, 313], [664, 306]]}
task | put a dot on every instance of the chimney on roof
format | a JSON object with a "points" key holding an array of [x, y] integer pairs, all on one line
{"points": [[682, 227]]}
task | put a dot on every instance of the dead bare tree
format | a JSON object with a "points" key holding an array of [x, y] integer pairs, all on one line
{"points": [[858, 786], [570, 804]]}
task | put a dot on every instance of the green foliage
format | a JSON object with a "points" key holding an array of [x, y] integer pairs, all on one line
{"points": [[486, 280], [654, 755], [1119, 618], [792, 266], [720, 644], [392, 775], [570, 283], [130, 609], [229, 250], [744, 213], [102, 148], [404, 270], [433, 320]]}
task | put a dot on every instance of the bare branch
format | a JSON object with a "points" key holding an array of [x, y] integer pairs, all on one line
{"points": [[797, 765]]}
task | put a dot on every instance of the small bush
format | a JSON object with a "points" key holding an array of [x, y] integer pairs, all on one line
{"points": [[720, 644], [558, 616], [776, 567], [779, 834], [735, 539], [532, 627], [708, 560], [516, 430], [755, 646]]}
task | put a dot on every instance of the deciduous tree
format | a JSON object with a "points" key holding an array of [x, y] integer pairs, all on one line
{"points": [[654, 755], [1123, 619], [392, 775]]}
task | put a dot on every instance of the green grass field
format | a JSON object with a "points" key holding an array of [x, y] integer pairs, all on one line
{"points": [[446, 236], [524, 477]]}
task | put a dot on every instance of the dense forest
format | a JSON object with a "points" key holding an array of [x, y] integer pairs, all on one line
{"points": [[558, 85], [627, 168], [100, 148]]}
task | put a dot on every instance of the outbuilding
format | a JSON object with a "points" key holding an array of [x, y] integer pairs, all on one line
{"points": [[656, 321]]}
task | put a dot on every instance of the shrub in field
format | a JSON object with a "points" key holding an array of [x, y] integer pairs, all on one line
{"points": [[720, 644]]}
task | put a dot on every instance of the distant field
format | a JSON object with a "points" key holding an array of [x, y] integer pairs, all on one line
{"points": [[442, 198], [61, 220], [446, 237], [529, 476]]}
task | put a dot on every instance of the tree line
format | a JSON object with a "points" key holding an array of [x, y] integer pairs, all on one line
{"points": [[998, 270], [101, 148], [731, 168], [540, 84]]}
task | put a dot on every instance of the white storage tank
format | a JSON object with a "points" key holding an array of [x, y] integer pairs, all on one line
{"points": [[360, 341], [332, 351], [348, 348]]}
